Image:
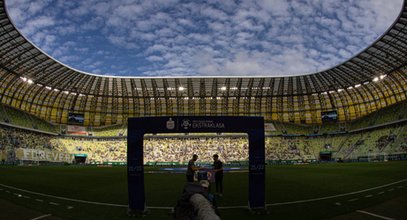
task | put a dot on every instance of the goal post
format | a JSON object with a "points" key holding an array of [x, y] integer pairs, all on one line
{"points": [[137, 127]]}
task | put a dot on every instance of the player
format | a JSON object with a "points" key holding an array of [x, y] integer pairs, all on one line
{"points": [[218, 169], [192, 168]]}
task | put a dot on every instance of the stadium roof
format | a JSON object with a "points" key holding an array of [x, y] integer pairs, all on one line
{"points": [[34, 79]]}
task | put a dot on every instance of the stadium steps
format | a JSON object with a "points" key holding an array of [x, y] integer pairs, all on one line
{"points": [[395, 146], [349, 152], [123, 130], [341, 148]]}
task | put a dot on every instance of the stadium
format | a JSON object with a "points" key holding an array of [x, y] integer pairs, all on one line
{"points": [[335, 141]]}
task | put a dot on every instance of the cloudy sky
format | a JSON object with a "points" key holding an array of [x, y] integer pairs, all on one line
{"points": [[202, 38]]}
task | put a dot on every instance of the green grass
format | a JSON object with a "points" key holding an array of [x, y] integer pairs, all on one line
{"points": [[283, 184]]}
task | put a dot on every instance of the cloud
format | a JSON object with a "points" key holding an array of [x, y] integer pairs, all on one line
{"points": [[155, 58], [121, 41], [71, 58], [190, 38], [275, 7], [34, 25]]}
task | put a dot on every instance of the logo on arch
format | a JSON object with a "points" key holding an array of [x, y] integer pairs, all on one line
{"points": [[170, 124], [186, 124]]}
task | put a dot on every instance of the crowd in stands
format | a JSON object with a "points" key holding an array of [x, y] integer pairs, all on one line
{"points": [[403, 144], [179, 148], [97, 151], [281, 148], [385, 140], [12, 139], [19, 138]]}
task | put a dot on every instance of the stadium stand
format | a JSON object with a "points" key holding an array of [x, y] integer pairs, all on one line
{"points": [[383, 140], [370, 135], [389, 114], [109, 131], [364, 100], [20, 118]]}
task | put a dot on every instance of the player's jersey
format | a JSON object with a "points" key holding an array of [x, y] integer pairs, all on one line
{"points": [[190, 171], [218, 165]]}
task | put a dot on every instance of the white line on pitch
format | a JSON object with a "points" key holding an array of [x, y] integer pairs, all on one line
{"points": [[7, 191], [379, 193], [69, 207], [234, 207], [226, 207], [335, 196], [352, 200], [64, 198], [42, 216], [375, 215], [159, 207], [53, 203], [338, 203], [368, 196], [39, 200], [390, 189]]}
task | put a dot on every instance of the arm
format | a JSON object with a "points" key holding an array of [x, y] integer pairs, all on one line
{"points": [[195, 168], [217, 170]]}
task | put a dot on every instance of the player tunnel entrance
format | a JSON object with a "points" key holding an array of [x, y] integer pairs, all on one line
{"points": [[138, 127]]}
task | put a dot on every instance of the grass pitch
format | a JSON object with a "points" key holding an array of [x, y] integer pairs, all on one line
{"points": [[283, 184]]}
